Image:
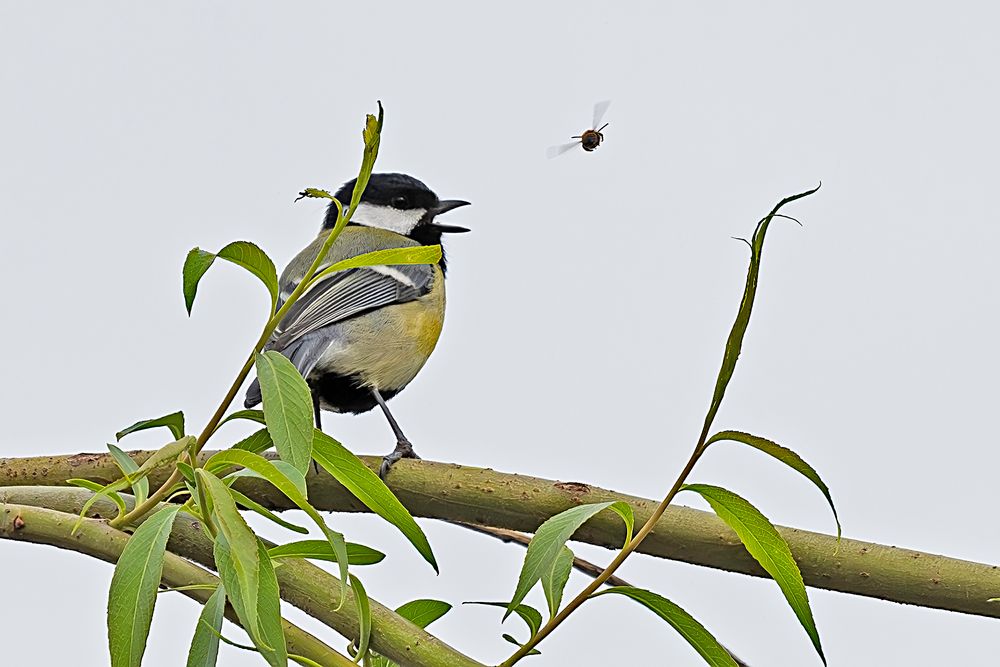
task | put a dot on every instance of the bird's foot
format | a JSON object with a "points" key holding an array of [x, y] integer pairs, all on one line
{"points": [[404, 450]]}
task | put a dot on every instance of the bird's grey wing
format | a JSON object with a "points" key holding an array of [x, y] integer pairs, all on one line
{"points": [[303, 333], [347, 294]]}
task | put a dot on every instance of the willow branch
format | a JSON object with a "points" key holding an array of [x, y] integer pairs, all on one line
{"points": [[310, 588], [39, 525], [474, 495]]}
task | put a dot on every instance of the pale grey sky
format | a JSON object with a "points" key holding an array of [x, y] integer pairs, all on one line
{"points": [[588, 308]]}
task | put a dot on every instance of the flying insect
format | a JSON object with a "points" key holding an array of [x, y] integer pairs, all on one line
{"points": [[590, 139]]}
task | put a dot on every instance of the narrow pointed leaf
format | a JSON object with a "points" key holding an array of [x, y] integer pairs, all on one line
{"points": [[554, 580], [423, 612], [545, 547], [141, 488], [100, 490], [287, 408], [531, 616], [252, 415], [166, 454], [196, 264], [767, 547], [256, 261], [254, 506], [364, 617], [786, 456], [357, 554], [367, 487], [315, 193], [236, 548], [133, 588], [372, 136], [187, 470], [734, 344], [257, 442], [267, 470], [174, 421], [204, 651], [694, 632], [427, 254], [269, 612]]}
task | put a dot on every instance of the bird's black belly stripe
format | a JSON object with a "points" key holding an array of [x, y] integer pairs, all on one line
{"points": [[345, 393]]}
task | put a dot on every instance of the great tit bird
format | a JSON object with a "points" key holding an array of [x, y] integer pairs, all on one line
{"points": [[360, 336]]}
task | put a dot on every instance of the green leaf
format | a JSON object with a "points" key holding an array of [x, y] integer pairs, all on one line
{"points": [[257, 442], [267, 470], [241, 253], [783, 454], [133, 588], [235, 552], [287, 408], [423, 612], [253, 505], [367, 487], [425, 254], [364, 617], [513, 641], [357, 554], [174, 421], [256, 261], [100, 491], [302, 660], [690, 629], [252, 415], [166, 454], [269, 612], [286, 469], [767, 547], [187, 470], [554, 580], [531, 617], [204, 651], [734, 344], [315, 193], [141, 488], [263, 621], [545, 547], [371, 135], [196, 264]]}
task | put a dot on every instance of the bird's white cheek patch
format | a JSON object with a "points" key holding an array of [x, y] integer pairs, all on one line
{"points": [[387, 217]]}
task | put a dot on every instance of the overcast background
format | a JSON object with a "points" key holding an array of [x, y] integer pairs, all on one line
{"points": [[587, 310]]}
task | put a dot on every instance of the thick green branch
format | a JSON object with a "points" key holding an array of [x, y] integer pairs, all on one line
{"points": [[304, 585], [457, 493], [95, 538]]}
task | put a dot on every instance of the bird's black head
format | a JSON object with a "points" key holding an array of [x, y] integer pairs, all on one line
{"points": [[399, 203]]}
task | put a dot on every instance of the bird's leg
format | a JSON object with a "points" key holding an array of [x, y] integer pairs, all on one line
{"points": [[319, 424], [403, 450], [316, 414]]}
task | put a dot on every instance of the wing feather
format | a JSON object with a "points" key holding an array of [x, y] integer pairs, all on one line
{"points": [[348, 294]]}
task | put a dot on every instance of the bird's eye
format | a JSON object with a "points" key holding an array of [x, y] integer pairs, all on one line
{"points": [[399, 202]]}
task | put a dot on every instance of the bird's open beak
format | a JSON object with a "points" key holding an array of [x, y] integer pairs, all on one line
{"points": [[444, 207]]}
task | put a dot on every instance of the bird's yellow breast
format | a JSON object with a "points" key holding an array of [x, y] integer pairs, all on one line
{"points": [[389, 346]]}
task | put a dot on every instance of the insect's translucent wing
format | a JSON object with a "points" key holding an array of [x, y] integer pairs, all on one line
{"points": [[556, 151], [600, 109]]}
